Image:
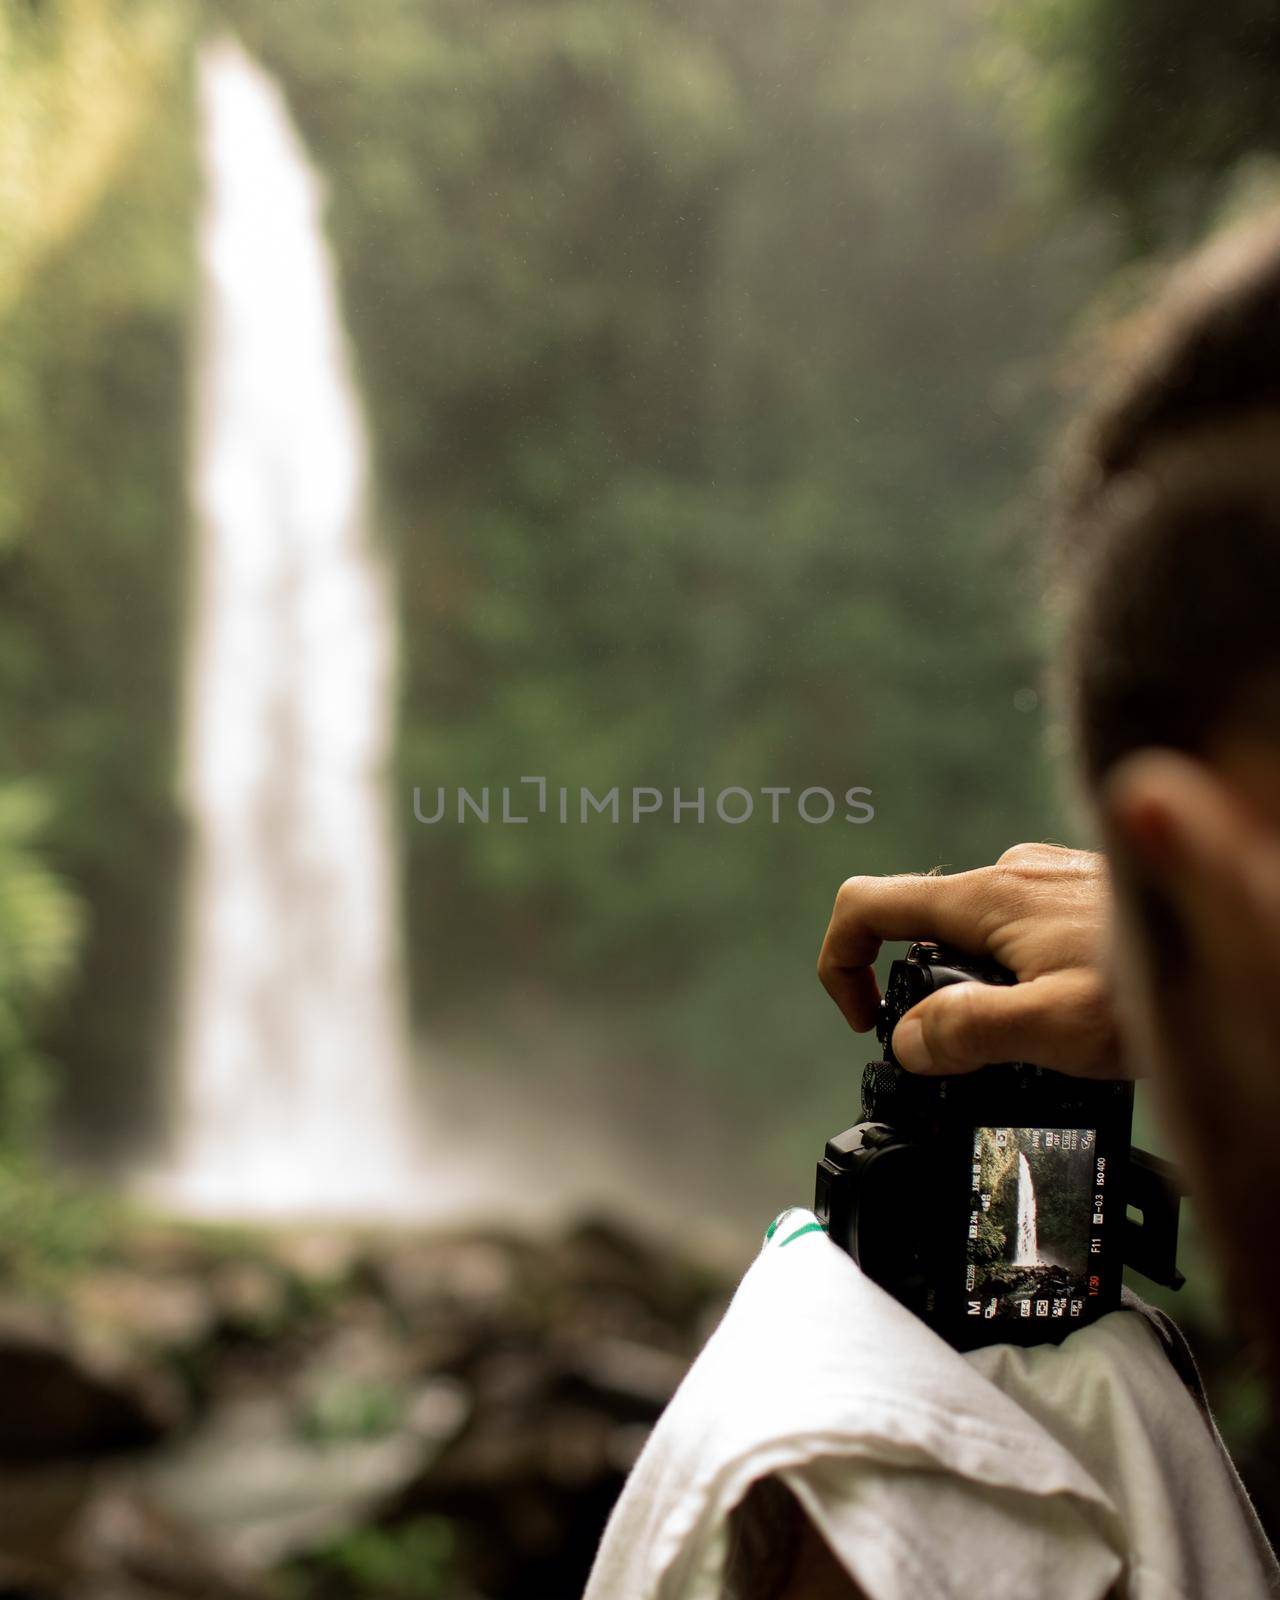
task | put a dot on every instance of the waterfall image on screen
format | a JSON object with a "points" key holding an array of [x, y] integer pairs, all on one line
{"points": [[293, 1092], [1033, 1216], [1026, 1250]]}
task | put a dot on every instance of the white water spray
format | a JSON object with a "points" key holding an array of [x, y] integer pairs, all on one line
{"points": [[294, 1094], [1027, 1251]]}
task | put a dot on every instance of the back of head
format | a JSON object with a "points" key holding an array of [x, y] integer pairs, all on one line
{"points": [[1170, 517]]}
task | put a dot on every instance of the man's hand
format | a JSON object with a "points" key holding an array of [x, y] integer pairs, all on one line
{"points": [[1041, 911]]}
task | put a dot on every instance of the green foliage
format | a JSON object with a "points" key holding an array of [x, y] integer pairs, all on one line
{"points": [[1063, 1195], [699, 343], [1000, 1181], [1152, 104], [44, 1227], [702, 344], [353, 1408], [78, 80], [992, 1243], [40, 925], [92, 511], [49, 1229], [413, 1560]]}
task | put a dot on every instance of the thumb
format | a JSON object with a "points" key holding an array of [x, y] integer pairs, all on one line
{"points": [[1061, 1020]]}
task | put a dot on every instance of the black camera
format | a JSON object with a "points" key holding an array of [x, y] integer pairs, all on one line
{"points": [[998, 1205]]}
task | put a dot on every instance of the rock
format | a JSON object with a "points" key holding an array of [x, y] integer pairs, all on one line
{"points": [[320, 1260], [63, 1397], [251, 1299], [40, 1507], [568, 1365], [528, 1493], [362, 1398], [156, 1311], [454, 1298], [127, 1549], [75, 1533], [474, 1280], [627, 1380], [611, 1282], [263, 1489], [530, 1480], [438, 1410]]}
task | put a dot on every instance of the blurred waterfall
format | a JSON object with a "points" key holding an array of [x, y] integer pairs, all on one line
{"points": [[294, 1088], [1027, 1252]]}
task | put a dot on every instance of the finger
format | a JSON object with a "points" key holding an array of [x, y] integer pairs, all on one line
{"points": [[870, 910], [1062, 1020]]}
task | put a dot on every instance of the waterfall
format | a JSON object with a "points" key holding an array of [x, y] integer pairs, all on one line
{"points": [[1027, 1251], [293, 1093]]}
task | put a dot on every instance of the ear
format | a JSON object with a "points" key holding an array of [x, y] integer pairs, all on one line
{"points": [[1186, 855], [1197, 872], [1185, 821], [1250, 767]]}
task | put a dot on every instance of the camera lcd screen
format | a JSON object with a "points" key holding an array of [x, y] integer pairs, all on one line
{"points": [[1036, 1220]]}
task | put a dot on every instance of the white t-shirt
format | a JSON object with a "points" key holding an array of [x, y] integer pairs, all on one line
{"points": [[1068, 1471]]}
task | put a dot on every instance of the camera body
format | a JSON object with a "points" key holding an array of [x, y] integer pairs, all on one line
{"points": [[993, 1204]]}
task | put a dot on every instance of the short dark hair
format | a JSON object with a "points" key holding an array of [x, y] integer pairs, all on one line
{"points": [[1169, 522]]}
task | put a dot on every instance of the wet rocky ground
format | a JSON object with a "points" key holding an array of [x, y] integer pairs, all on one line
{"points": [[332, 1415], [1021, 1281]]}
